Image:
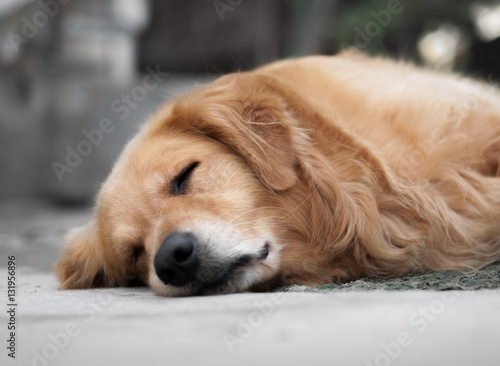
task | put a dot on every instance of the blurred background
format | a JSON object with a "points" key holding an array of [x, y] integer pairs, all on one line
{"points": [[77, 77]]}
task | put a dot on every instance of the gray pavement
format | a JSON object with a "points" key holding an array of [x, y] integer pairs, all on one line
{"points": [[135, 327]]}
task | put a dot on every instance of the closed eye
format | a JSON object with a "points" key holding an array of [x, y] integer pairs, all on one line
{"points": [[180, 182], [137, 253]]}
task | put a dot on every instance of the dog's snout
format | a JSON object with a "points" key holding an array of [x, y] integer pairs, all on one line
{"points": [[176, 260]]}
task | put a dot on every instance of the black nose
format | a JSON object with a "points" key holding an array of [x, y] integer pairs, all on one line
{"points": [[176, 261]]}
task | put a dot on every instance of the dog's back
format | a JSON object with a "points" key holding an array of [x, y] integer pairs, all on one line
{"points": [[415, 118], [431, 140]]}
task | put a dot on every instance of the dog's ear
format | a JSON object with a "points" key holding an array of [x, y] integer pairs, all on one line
{"points": [[79, 266], [249, 117]]}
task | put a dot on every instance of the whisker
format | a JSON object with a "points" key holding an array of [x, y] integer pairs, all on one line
{"points": [[304, 201], [246, 212]]}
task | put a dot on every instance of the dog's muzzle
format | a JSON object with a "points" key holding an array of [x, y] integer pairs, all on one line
{"points": [[181, 261]]}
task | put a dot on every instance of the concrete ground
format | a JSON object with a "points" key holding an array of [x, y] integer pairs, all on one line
{"points": [[135, 327]]}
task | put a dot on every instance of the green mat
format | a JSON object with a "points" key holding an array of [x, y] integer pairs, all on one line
{"points": [[486, 278]]}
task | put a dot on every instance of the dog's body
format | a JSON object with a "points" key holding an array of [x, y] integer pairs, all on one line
{"points": [[304, 171]]}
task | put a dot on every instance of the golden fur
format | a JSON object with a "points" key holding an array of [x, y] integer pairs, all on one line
{"points": [[347, 166]]}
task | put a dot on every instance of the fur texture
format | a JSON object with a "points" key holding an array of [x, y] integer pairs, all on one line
{"points": [[344, 166]]}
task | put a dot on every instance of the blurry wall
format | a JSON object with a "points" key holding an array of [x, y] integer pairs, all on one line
{"points": [[62, 64], [77, 77]]}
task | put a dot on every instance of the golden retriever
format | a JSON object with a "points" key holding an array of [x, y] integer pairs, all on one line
{"points": [[304, 171]]}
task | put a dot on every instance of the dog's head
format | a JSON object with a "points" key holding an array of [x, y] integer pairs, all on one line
{"points": [[198, 201]]}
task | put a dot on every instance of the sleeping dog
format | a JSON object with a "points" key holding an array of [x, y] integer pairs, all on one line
{"points": [[305, 171]]}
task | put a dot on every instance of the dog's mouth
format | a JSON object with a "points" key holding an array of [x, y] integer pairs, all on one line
{"points": [[186, 268], [234, 274]]}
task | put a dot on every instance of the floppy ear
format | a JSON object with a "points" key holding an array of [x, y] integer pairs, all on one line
{"points": [[79, 266], [246, 115]]}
